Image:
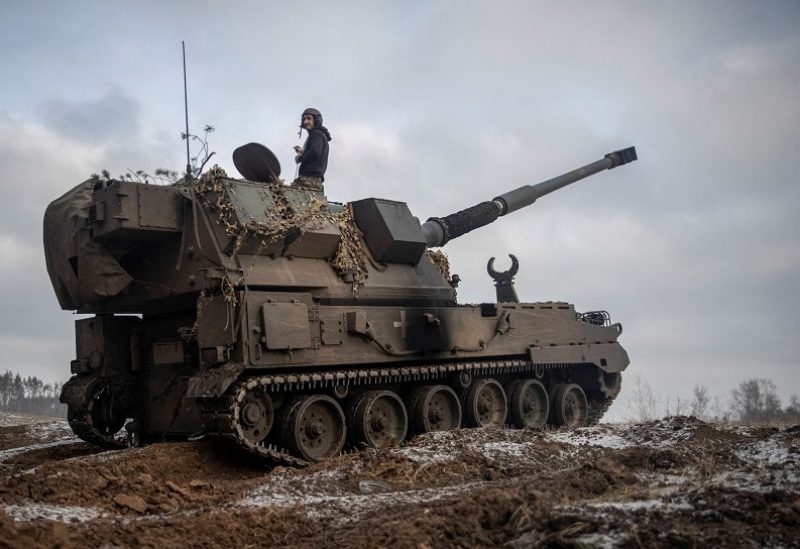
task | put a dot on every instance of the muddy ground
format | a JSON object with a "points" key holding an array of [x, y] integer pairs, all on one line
{"points": [[676, 482]]}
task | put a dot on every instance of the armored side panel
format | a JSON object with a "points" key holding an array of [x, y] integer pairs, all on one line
{"points": [[134, 211], [103, 345]]}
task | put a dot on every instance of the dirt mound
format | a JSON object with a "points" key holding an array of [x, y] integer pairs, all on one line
{"points": [[677, 481]]}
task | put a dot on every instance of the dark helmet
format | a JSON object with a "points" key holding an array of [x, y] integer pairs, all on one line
{"points": [[315, 113]]}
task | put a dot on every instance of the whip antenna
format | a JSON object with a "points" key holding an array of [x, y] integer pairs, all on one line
{"points": [[186, 112]]}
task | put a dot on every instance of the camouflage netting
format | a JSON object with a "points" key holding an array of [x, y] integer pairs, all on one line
{"points": [[349, 259], [81, 269], [440, 261], [280, 220]]}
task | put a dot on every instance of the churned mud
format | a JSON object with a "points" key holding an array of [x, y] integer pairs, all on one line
{"points": [[676, 482]]}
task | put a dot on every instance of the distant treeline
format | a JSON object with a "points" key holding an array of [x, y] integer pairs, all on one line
{"points": [[30, 395], [754, 401]]}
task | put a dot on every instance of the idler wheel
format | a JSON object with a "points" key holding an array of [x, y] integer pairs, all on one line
{"points": [[434, 408], [610, 384], [485, 404], [377, 419], [570, 406], [106, 417], [529, 404], [313, 427], [256, 415], [94, 411]]}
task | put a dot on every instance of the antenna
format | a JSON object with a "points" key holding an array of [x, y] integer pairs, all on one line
{"points": [[186, 111]]}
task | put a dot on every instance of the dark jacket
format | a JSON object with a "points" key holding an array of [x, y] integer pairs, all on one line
{"points": [[314, 160]]}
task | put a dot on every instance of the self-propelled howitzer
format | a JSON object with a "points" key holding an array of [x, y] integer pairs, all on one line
{"points": [[267, 316]]}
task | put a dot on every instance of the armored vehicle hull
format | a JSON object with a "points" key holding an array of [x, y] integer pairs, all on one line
{"points": [[291, 326]]}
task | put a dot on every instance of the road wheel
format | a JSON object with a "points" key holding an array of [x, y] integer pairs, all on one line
{"points": [[313, 427], [434, 408], [570, 406], [485, 404], [256, 414], [377, 419], [530, 405]]}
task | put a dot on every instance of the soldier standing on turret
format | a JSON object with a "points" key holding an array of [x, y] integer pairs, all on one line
{"points": [[313, 156]]}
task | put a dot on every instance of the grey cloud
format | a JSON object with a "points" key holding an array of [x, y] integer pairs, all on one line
{"points": [[694, 248], [113, 117], [37, 167]]}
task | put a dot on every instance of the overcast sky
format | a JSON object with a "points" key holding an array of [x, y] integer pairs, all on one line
{"points": [[695, 248]]}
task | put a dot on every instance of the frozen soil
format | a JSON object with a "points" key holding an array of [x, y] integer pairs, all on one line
{"points": [[675, 482]]}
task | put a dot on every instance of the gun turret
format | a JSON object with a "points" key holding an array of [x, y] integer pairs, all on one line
{"points": [[439, 230], [125, 246]]}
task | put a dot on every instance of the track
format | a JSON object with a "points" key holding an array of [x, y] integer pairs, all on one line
{"points": [[222, 416]]}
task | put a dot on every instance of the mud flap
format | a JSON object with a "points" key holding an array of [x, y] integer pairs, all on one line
{"points": [[609, 357], [213, 382]]}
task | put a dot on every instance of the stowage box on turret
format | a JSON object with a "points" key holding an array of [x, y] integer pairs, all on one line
{"points": [[264, 315]]}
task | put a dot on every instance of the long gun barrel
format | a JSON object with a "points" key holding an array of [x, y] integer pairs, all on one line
{"points": [[439, 230]]}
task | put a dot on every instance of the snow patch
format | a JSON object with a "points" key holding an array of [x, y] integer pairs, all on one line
{"points": [[766, 453], [14, 420], [609, 540], [58, 427], [605, 438], [646, 504], [661, 434], [5, 455], [342, 507], [421, 454], [505, 449], [61, 513], [762, 482]]}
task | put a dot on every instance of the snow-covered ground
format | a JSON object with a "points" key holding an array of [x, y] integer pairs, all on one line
{"points": [[608, 486]]}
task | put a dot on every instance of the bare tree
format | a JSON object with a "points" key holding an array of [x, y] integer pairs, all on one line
{"points": [[701, 401], [643, 405], [792, 412], [719, 410], [166, 176], [756, 400], [676, 406]]}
